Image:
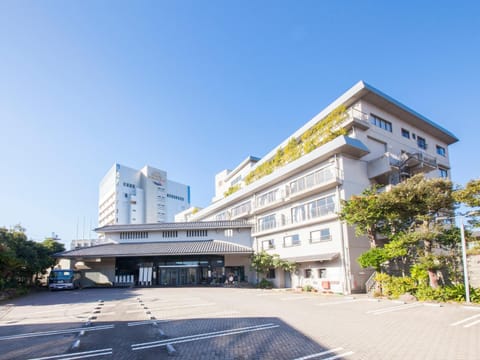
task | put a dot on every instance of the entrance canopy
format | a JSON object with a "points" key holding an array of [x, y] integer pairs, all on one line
{"points": [[157, 249]]}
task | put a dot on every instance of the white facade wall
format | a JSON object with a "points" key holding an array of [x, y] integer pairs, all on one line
{"points": [[276, 210], [178, 199], [154, 183], [228, 178], [395, 143], [129, 196], [237, 236]]}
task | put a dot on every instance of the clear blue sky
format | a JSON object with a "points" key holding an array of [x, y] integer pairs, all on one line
{"points": [[194, 87]]}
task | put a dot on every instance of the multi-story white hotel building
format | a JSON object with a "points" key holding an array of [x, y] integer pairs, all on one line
{"points": [[294, 210], [129, 196]]}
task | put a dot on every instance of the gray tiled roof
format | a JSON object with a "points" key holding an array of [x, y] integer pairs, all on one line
{"points": [[159, 249], [200, 225]]}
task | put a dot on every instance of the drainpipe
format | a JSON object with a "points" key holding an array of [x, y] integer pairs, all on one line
{"points": [[346, 254]]}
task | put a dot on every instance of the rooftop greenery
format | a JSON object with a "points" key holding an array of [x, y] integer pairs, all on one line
{"points": [[319, 134]]}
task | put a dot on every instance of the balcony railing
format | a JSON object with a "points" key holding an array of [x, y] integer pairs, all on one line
{"points": [[312, 180], [282, 221], [268, 199], [357, 118], [419, 159], [241, 210]]}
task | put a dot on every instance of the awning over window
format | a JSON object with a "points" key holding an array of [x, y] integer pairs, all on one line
{"points": [[313, 258]]}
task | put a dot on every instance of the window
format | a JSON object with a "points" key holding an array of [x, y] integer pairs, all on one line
{"points": [[292, 240], [241, 209], [422, 144], [267, 198], [320, 235], [228, 232], [236, 180], [443, 173], [196, 233], [441, 150], [268, 244], [134, 235], [381, 123], [308, 273], [308, 181], [267, 222], [221, 216], [271, 274], [322, 273], [175, 197], [298, 214], [322, 207], [170, 234], [406, 133]]}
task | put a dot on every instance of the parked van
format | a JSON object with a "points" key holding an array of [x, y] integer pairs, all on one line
{"points": [[63, 279]]}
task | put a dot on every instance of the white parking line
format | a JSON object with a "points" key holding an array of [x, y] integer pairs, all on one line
{"points": [[56, 332], [339, 356], [145, 322], [337, 302], [201, 315], [203, 336], [471, 324], [290, 298], [467, 320], [79, 355], [394, 308], [312, 356]]}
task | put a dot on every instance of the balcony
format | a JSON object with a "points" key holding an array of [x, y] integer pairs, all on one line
{"points": [[383, 165], [356, 118], [407, 164], [419, 162], [240, 211], [270, 200], [274, 223], [315, 182]]}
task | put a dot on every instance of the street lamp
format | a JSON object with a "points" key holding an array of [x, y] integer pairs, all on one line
{"points": [[464, 258]]}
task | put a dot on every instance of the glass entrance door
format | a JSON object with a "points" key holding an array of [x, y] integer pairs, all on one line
{"points": [[177, 276], [168, 277]]}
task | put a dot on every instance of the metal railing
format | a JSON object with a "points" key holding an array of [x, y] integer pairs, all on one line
{"points": [[312, 180], [357, 114], [371, 283]]}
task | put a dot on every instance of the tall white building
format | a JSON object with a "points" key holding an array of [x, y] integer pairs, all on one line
{"points": [[289, 207], [129, 196], [294, 207]]}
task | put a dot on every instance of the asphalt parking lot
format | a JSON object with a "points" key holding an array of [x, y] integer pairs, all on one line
{"points": [[232, 323]]}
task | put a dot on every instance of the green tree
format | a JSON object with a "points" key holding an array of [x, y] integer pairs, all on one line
{"points": [[406, 217], [365, 212], [262, 262], [470, 196], [21, 259]]}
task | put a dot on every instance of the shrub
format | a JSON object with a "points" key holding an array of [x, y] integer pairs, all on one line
{"points": [[425, 293], [265, 284], [307, 288], [393, 286]]}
